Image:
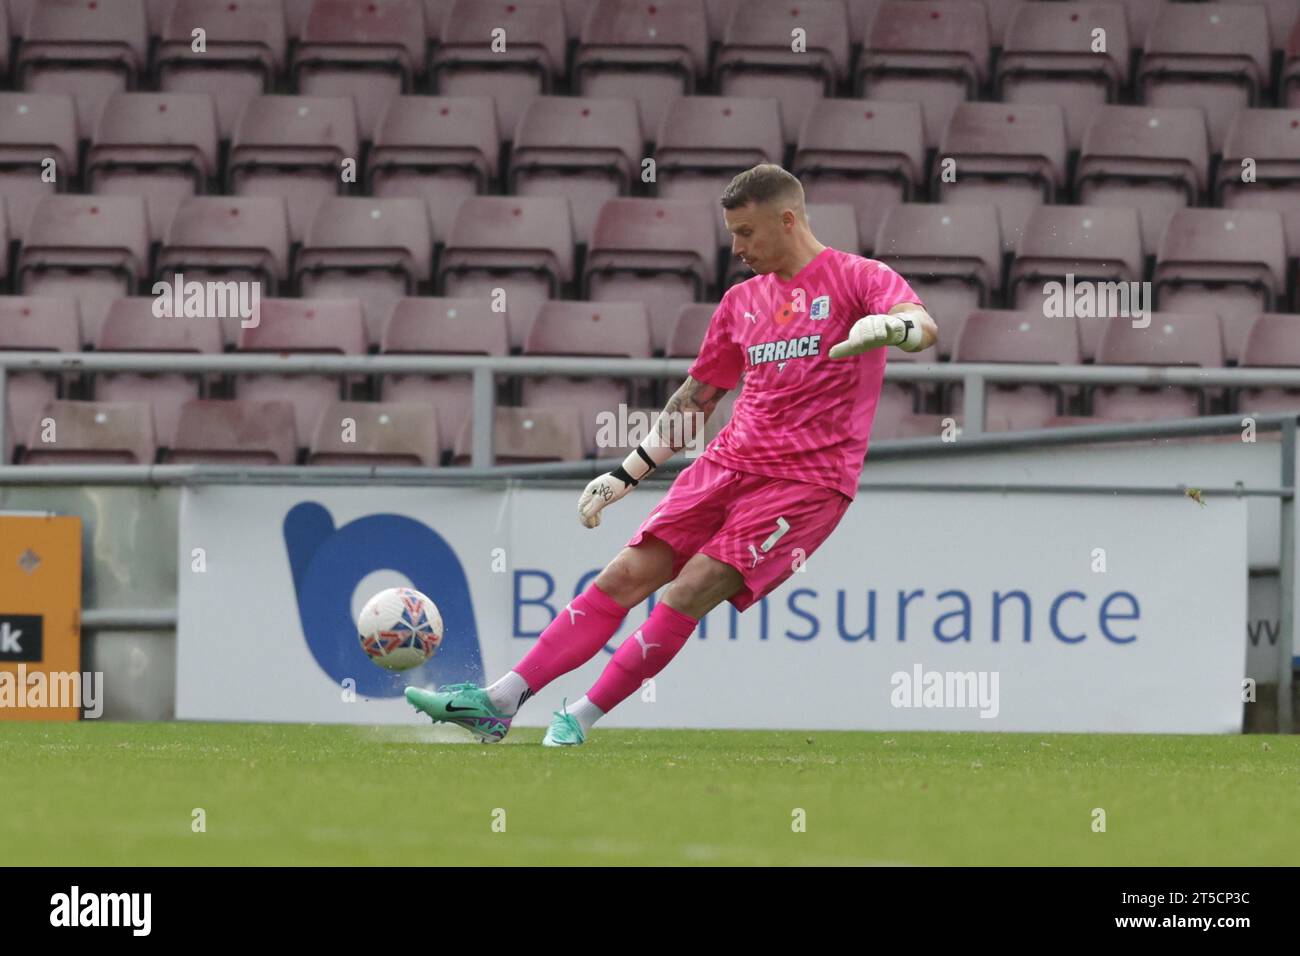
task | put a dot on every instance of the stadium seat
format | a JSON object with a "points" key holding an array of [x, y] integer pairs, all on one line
{"points": [[1228, 261], [1155, 160], [375, 250], [375, 434], [586, 149], [1141, 14], [131, 326], [1047, 58], [950, 255], [1270, 140], [522, 245], [933, 53], [440, 149], [86, 49], [523, 436], [245, 47], [1172, 339], [293, 147], [467, 62], [95, 248], [1012, 157], [704, 141], [1289, 85], [1273, 341], [92, 433], [1282, 14], [869, 154], [689, 329], [604, 329], [317, 326], [4, 244], [5, 42], [29, 324], [756, 58], [234, 432], [1093, 244], [441, 326], [651, 52], [1018, 337], [1211, 55], [662, 252], [34, 128], [369, 51], [162, 146], [227, 238]]}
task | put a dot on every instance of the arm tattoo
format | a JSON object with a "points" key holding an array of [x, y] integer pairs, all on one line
{"points": [[683, 417]]}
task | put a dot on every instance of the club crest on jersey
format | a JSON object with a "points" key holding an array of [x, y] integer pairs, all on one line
{"points": [[821, 308]]}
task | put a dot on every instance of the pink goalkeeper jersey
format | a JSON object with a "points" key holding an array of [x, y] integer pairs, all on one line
{"points": [[801, 414]]}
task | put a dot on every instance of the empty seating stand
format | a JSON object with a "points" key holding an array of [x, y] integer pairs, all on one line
{"points": [[234, 432], [38, 135], [92, 433], [377, 434]]}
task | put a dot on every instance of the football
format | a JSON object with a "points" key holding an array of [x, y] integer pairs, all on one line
{"points": [[400, 628]]}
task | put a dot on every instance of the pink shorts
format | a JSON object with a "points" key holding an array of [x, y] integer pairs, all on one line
{"points": [[760, 526]]}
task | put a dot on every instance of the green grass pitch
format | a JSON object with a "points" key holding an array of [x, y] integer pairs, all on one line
{"points": [[120, 793]]}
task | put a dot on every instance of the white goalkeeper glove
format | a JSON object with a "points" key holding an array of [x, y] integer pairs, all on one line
{"points": [[875, 331], [616, 484]]}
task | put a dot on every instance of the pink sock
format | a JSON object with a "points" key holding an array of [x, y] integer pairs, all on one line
{"points": [[580, 630], [642, 656]]}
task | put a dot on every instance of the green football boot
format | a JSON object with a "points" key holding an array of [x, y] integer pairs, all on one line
{"points": [[464, 704], [565, 731]]}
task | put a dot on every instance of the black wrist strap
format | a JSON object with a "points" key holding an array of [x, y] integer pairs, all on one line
{"points": [[621, 474]]}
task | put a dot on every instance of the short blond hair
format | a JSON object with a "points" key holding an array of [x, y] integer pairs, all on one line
{"points": [[764, 183]]}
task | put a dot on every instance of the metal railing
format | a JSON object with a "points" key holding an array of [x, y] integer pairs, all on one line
{"points": [[974, 440]]}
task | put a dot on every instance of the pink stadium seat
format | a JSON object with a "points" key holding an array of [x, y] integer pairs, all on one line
{"points": [[162, 146], [1012, 157], [322, 326], [367, 50], [238, 432], [35, 325], [522, 245], [4, 243], [1228, 261], [1009, 336], [376, 435], [95, 248], [1141, 14], [1091, 244], [35, 127], [869, 154], [605, 329], [704, 141], [1047, 58], [1211, 55], [689, 329], [586, 149], [295, 17], [437, 326], [92, 433], [228, 239], [1181, 339], [375, 250], [1289, 85], [468, 63], [524, 436], [933, 53], [4, 59], [437, 148], [1155, 160], [1272, 342], [662, 252], [293, 147], [652, 52], [131, 326], [1282, 14], [1270, 139], [757, 59], [245, 52], [86, 48], [950, 255]]}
